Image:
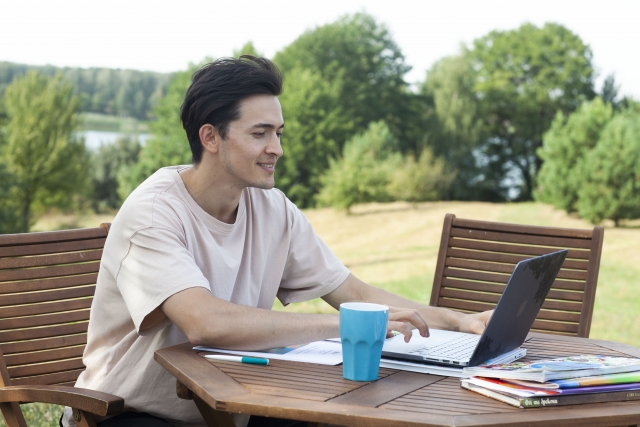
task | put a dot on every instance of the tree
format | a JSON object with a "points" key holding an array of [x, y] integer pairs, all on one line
{"points": [[168, 144], [247, 49], [455, 126], [364, 171], [49, 165], [611, 173], [609, 93], [565, 145], [523, 78], [314, 122], [105, 164], [350, 71], [362, 55]]}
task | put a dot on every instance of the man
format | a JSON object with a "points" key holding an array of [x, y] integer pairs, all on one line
{"points": [[200, 252]]}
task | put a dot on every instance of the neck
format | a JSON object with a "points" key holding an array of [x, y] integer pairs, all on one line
{"points": [[212, 195]]}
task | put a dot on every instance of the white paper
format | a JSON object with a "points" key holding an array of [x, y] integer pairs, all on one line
{"points": [[320, 352], [422, 368]]}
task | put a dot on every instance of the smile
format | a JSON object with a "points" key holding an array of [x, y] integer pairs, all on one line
{"points": [[270, 166]]}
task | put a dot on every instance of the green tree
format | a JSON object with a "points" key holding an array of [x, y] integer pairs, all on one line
{"points": [[564, 148], [313, 124], [354, 74], [168, 144], [48, 164], [364, 172], [361, 54], [455, 125], [105, 164], [423, 180], [247, 49], [523, 78], [610, 186]]}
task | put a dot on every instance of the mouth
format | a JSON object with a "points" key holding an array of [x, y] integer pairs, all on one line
{"points": [[270, 166]]}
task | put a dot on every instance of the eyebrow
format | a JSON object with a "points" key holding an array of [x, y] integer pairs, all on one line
{"points": [[267, 126]]}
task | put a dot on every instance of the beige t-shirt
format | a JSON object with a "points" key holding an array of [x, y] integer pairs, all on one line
{"points": [[162, 242]]}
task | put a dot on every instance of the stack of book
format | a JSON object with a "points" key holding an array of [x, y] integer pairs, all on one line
{"points": [[555, 382]]}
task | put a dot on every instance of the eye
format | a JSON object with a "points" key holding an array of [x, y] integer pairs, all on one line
{"points": [[258, 134], [279, 134]]}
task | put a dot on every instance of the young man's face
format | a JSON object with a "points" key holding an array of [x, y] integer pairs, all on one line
{"points": [[252, 147]]}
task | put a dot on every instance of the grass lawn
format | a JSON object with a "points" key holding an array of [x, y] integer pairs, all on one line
{"points": [[395, 246]]}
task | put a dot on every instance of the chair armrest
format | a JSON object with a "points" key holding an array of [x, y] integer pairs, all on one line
{"points": [[95, 402]]}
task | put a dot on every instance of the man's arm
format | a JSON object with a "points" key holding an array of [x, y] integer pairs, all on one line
{"points": [[354, 289], [207, 320]]}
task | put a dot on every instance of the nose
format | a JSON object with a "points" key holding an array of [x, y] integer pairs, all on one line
{"points": [[274, 147]]}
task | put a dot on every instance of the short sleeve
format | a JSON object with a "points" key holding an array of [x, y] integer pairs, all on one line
{"points": [[156, 266], [312, 270]]}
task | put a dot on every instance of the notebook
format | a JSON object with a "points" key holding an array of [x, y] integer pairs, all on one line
{"points": [[510, 323]]}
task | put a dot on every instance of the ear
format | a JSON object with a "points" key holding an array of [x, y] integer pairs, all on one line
{"points": [[210, 138]]}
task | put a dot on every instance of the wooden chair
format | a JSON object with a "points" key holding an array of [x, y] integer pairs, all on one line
{"points": [[47, 282], [476, 259]]}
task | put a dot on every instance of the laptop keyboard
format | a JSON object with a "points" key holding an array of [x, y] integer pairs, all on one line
{"points": [[460, 348]]}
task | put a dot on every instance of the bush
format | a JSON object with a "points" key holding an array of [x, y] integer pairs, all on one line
{"points": [[610, 186], [364, 172], [423, 180]]}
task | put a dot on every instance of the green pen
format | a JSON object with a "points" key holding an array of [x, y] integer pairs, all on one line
{"points": [[239, 359]]}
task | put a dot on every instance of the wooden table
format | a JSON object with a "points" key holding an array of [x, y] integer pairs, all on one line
{"points": [[319, 394]]}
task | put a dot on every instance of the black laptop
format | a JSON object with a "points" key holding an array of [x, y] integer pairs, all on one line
{"points": [[511, 321]]}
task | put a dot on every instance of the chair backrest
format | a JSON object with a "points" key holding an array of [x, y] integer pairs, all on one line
{"points": [[47, 282], [476, 259]]}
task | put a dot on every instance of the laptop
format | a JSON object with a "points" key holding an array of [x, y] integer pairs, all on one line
{"points": [[507, 329]]}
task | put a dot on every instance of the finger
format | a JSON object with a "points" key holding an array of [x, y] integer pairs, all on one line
{"points": [[401, 327], [412, 317]]}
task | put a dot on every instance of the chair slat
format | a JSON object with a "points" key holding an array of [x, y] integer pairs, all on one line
{"points": [[507, 258], [39, 273], [555, 326], [44, 344], [48, 284], [559, 242], [499, 288], [47, 319], [48, 307], [44, 356], [46, 368], [35, 297], [509, 248], [51, 236], [52, 248], [494, 297], [49, 379], [529, 229], [44, 332], [40, 261], [507, 268]]}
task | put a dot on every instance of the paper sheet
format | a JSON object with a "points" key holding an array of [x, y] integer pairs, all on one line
{"points": [[320, 352]]}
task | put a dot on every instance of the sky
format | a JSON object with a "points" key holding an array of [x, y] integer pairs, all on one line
{"points": [[166, 36]]}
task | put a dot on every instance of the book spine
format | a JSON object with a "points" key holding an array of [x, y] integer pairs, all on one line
{"points": [[559, 400]]}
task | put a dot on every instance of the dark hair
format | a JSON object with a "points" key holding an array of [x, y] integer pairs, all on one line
{"points": [[216, 91]]}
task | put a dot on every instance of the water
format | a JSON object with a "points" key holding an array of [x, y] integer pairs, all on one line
{"points": [[95, 138]]}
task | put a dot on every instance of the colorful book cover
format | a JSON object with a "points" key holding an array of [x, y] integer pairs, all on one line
{"points": [[555, 400], [523, 391], [560, 368]]}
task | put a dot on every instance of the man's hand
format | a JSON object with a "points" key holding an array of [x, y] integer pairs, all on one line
{"points": [[475, 323], [403, 320]]}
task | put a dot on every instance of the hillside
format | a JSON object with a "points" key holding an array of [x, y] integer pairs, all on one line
{"points": [[395, 246]]}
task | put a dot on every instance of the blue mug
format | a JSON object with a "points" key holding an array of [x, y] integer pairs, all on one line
{"points": [[363, 328]]}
